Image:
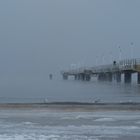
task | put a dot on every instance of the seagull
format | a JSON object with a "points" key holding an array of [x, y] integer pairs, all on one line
{"points": [[46, 100], [96, 100]]}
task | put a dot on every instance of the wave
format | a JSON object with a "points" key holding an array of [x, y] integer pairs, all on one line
{"points": [[105, 120]]}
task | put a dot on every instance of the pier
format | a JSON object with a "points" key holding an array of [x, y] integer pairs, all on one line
{"points": [[109, 72]]}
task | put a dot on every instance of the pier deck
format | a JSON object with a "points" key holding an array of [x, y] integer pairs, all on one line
{"points": [[107, 72]]}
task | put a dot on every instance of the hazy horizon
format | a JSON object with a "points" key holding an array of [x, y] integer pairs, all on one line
{"points": [[38, 36], [46, 36]]}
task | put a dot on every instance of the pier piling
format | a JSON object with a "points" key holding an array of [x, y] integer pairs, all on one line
{"points": [[118, 77], [65, 76], [138, 77], [109, 77], [111, 72], [127, 77]]}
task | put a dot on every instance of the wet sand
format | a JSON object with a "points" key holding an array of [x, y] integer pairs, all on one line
{"points": [[69, 121], [73, 107]]}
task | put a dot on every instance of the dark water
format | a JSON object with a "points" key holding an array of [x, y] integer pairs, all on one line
{"points": [[40, 90]]}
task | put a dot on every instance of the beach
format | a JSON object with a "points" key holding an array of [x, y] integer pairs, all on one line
{"points": [[69, 121], [73, 106]]}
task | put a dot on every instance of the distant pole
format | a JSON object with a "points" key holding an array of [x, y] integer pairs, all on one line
{"points": [[103, 59], [50, 76], [120, 53], [96, 60], [111, 57], [72, 66], [132, 53], [78, 65]]}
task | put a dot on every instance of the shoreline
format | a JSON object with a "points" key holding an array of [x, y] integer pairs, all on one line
{"points": [[72, 106]]}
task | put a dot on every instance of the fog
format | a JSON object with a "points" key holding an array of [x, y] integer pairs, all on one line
{"points": [[38, 37]]}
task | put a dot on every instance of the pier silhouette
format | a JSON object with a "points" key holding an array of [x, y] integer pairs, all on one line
{"points": [[108, 72]]}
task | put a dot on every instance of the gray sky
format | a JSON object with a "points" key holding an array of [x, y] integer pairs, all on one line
{"points": [[40, 36]]}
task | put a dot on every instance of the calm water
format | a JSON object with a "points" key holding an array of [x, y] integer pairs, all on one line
{"points": [[40, 89]]}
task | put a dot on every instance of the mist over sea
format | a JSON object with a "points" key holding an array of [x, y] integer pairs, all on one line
{"points": [[42, 89], [42, 37]]}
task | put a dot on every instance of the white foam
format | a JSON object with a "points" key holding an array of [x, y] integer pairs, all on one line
{"points": [[28, 123], [68, 132], [137, 122], [68, 118], [43, 137], [105, 120], [31, 137], [84, 117], [76, 117]]}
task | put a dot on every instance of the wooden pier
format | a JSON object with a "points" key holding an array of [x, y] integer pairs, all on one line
{"points": [[107, 72]]}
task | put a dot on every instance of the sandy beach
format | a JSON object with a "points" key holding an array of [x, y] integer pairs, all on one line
{"points": [[74, 106]]}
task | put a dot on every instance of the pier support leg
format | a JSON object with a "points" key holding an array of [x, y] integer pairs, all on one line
{"points": [[118, 77], [127, 77], [76, 77], [138, 77], [101, 77], [65, 76], [82, 77], [109, 77], [87, 77], [79, 77]]}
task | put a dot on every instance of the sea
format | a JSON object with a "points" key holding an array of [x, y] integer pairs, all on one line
{"points": [[42, 89], [43, 124], [40, 124]]}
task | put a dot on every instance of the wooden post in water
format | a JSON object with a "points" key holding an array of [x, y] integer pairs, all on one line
{"points": [[65, 76], [118, 77], [109, 77], [138, 77], [127, 77]]}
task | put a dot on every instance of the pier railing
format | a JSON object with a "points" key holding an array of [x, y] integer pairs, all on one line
{"points": [[124, 65], [107, 72]]}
